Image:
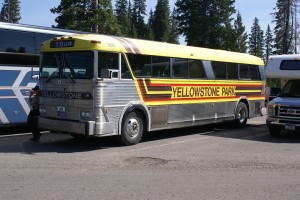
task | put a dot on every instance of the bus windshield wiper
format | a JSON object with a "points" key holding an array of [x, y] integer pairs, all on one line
{"points": [[70, 78], [52, 75]]}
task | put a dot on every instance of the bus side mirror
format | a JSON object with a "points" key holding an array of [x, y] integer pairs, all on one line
{"points": [[34, 76]]}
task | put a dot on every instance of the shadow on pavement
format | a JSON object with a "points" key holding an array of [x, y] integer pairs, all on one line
{"points": [[60, 143]]}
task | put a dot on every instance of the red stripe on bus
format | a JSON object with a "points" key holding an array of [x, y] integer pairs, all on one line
{"points": [[135, 48], [125, 45]]}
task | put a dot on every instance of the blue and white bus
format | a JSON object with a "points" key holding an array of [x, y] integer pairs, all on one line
{"points": [[19, 61]]}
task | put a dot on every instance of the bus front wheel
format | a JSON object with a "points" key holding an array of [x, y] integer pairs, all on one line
{"points": [[241, 115], [132, 129]]}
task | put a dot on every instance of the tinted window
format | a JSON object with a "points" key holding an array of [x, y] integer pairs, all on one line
{"points": [[244, 71], [40, 38], [17, 42], [254, 71], [180, 68], [18, 59], [232, 70], [140, 65], [196, 69], [160, 67], [107, 61], [219, 69], [290, 65], [149, 66]]}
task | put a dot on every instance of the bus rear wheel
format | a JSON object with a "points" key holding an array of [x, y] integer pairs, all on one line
{"points": [[241, 115], [132, 129]]}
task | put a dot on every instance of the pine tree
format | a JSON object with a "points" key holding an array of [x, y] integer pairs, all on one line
{"points": [[286, 26], [121, 12], [81, 15], [268, 43], [173, 36], [161, 23], [138, 14], [10, 11], [256, 39], [240, 36], [205, 22], [150, 33]]}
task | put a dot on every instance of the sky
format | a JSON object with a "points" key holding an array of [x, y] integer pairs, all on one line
{"points": [[37, 12]]}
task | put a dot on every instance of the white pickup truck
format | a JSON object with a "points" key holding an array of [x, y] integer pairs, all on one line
{"points": [[284, 110]]}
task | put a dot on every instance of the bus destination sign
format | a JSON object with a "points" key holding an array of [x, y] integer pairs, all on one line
{"points": [[62, 43]]}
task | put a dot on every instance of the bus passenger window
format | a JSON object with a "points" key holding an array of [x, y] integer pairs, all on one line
{"points": [[219, 69], [244, 72], [160, 67], [140, 65], [232, 71], [196, 69], [107, 61], [180, 68], [254, 72], [125, 73]]}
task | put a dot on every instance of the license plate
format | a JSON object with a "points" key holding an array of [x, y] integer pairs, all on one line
{"points": [[290, 127], [61, 111]]}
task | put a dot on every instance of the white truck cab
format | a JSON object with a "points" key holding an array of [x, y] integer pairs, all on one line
{"points": [[284, 110]]}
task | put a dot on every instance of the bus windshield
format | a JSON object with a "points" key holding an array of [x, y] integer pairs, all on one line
{"points": [[71, 65], [291, 89]]}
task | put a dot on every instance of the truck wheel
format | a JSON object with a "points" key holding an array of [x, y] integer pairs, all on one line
{"points": [[241, 115], [274, 131], [132, 129]]}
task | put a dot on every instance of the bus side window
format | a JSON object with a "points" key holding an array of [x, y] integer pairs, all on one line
{"points": [[196, 69], [107, 61], [219, 69], [232, 71], [125, 73], [244, 72], [160, 67], [254, 71], [180, 68]]}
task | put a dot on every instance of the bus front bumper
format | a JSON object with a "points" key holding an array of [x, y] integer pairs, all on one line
{"points": [[82, 128]]}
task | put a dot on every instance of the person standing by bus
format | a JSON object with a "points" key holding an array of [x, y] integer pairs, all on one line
{"points": [[34, 113]]}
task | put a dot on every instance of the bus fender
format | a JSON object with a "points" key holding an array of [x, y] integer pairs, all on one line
{"points": [[133, 106]]}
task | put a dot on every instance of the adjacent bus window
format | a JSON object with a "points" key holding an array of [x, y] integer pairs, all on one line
{"points": [[219, 69], [17, 42], [196, 69], [254, 72], [180, 68], [107, 61], [244, 72], [232, 70], [160, 67], [290, 65]]}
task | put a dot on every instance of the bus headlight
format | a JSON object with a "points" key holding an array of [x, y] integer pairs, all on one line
{"points": [[86, 115]]}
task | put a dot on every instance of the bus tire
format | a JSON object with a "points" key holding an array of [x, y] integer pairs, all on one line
{"points": [[241, 115], [274, 131], [132, 129]]}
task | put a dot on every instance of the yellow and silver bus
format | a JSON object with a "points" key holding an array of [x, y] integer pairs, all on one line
{"points": [[100, 85]]}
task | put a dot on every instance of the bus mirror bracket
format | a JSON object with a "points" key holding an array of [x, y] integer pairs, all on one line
{"points": [[109, 73]]}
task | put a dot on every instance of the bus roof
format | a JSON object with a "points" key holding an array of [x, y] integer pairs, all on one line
{"points": [[146, 47], [37, 29]]}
